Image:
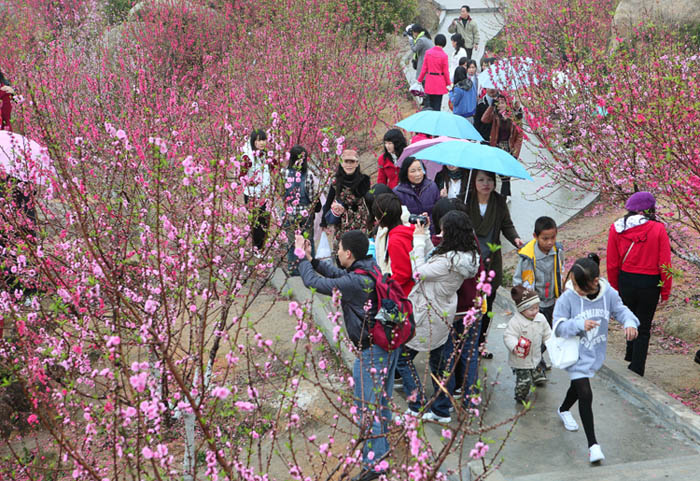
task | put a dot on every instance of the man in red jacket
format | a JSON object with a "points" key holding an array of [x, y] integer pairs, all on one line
{"points": [[436, 72]]}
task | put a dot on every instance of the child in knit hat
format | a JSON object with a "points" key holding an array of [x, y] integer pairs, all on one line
{"points": [[526, 333]]}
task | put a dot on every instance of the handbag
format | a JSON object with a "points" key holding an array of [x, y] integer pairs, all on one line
{"points": [[563, 351], [324, 247], [417, 89]]}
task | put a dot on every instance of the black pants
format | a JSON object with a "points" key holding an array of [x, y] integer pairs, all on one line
{"points": [[642, 302], [434, 101], [505, 186], [580, 390], [261, 221], [469, 53], [486, 320]]}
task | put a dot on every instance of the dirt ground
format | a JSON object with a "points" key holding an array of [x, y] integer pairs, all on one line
{"points": [[670, 363]]}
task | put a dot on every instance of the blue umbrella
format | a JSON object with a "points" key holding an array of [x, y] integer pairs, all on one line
{"points": [[432, 122], [469, 155]]}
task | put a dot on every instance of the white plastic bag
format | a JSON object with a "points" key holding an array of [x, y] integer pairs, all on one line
{"points": [[324, 247], [563, 351], [416, 89]]}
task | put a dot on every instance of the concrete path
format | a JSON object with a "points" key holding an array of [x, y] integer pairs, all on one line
{"points": [[528, 202], [627, 430]]}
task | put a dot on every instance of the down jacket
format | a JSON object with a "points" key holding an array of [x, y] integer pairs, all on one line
{"points": [[434, 296]]}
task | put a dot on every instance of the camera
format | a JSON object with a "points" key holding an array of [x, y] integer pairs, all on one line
{"points": [[417, 219], [408, 31]]}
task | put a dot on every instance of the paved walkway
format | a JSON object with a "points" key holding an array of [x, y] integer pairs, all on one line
{"points": [[528, 201]]}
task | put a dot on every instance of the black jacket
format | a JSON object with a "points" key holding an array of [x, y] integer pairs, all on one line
{"points": [[355, 290], [482, 128]]}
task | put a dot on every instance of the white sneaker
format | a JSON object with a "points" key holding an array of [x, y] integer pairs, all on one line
{"points": [[431, 416], [570, 423], [411, 412], [595, 454]]}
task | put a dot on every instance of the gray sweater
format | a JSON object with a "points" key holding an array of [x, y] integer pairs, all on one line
{"points": [[573, 310], [420, 46]]}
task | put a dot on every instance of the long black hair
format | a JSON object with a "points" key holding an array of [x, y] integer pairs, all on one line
{"points": [[3, 79], [395, 137], [459, 40], [386, 209], [255, 135], [457, 233], [418, 28], [295, 154], [585, 271]]}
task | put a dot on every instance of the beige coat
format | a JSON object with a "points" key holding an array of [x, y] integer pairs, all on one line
{"points": [[470, 32], [536, 330], [434, 296]]}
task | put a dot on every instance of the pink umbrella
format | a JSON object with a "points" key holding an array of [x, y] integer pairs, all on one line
{"points": [[23, 158], [432, 167]]}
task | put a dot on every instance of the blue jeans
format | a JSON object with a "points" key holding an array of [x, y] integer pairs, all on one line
{"points": [[466, 370], [412, 384], [373, 374]]}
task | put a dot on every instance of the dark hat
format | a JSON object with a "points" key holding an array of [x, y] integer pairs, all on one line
{"points": [[524, 298], [640, 201]]}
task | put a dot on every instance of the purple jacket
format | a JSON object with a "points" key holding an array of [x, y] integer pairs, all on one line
{"points": [[423, 201]]}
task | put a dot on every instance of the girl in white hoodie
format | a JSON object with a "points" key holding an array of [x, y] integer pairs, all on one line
{"points": [[584, 310]]}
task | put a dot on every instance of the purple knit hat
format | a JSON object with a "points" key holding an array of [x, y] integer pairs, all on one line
{"points": [[640, 201]]}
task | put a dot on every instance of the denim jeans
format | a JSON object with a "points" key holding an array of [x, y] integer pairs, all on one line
{"points": [[412, 385], [373, 374], [466, 371]]}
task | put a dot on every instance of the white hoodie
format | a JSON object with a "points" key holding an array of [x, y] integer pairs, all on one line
{"points": [[258, 174]]}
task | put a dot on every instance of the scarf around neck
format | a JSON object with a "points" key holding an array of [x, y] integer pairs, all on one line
{"points": [[482, 225]]}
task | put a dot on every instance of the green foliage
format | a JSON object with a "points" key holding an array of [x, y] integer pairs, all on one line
{"points": [[380, 17], [691, 34], [497, 45], [117, 10]]}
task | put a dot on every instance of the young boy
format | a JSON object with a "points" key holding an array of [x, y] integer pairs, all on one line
{"points": [[540, 265], [524, 337]]}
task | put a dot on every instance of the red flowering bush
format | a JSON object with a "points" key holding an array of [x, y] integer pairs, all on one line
{"points": [[128, 278]]}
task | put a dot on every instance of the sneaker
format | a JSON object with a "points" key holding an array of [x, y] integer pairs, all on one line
{"points": [[539, 378], [411, 412], [458, 393], [398, 381], [570, 423], [595, 454], [431, 416]]}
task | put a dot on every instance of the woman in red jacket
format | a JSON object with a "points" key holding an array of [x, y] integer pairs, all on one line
{"points": [[388, 173], [6, 93], [436, 73], [639, 262]]}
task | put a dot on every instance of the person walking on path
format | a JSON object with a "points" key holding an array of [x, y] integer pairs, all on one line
{"points": [[526, 333], [460, 52], [639, 266], [420, 43], [255, 194], [490, 217], [415, 190], [6, 93], [505, 132], [464, 93], [346, 207], [584, 311], [388, 171], [436, 73], [373, 371], [301, 188], [434, 299], [467, 28]]}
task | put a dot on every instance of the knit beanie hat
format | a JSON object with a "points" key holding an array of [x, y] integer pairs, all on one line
{"points": [[640, 201], [524, 298]]}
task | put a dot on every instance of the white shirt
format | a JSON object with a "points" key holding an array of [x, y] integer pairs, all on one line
{"points": [[453, 188], [482, 209]]}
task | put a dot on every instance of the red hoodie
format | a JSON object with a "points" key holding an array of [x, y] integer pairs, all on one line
{"points": [[650, 254], [399, 247]]}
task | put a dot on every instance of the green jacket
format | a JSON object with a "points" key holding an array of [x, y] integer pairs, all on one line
{"points": [[468, 31]]}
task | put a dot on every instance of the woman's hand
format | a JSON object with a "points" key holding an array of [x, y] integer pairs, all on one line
{"points": [[631, 333], [329, 230], [591, 324], [443, 192], [300, 242], [518, 243], [337, 208]]}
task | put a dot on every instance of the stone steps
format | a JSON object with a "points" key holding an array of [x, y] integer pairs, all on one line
{"points": [[684, 468]]}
